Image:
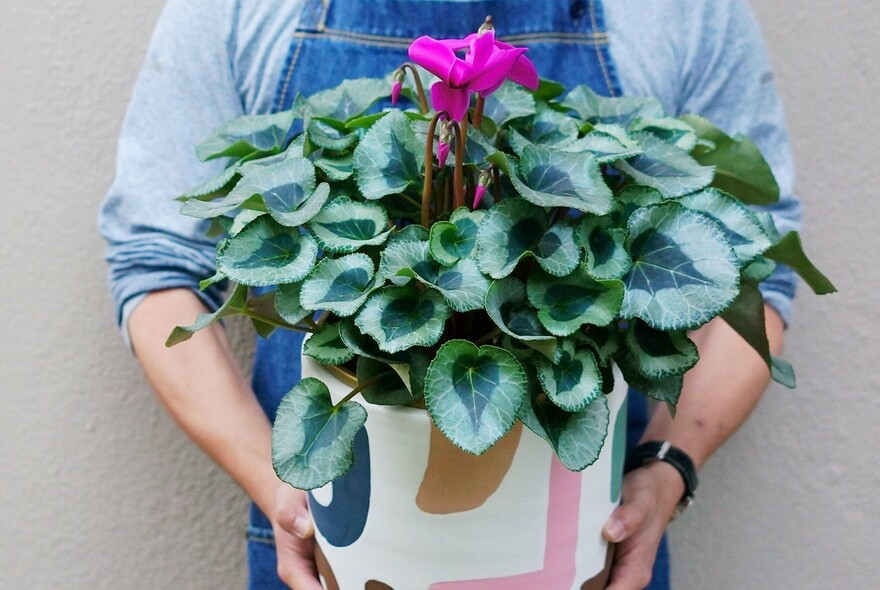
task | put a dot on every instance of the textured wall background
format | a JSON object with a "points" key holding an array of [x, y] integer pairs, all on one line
{"points": [[92, 491]]}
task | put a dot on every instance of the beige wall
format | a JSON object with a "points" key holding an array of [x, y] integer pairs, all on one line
{"points": [[92, 486]]}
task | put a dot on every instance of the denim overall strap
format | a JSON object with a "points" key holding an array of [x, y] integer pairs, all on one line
{"points": [[342, 39]]}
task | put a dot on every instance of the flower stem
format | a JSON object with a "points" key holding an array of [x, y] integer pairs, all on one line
{"points": [[423, 100], [458, 174], [496, 183], [429, 171], [478, 111]]}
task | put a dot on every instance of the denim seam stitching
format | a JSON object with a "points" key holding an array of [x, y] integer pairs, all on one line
{"points": [[289, 75], [596, 40], [599, 54]]}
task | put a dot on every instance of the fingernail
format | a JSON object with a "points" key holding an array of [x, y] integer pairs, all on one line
{"points": [[614, 530], [302, 527]]}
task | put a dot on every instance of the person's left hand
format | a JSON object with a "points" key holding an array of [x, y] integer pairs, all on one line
{"points": [[648, 500]]}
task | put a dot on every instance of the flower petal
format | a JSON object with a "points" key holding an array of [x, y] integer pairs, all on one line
{"points": [[434, 56], [454, 101], [524, 73], [456, 44], [495, 70]]}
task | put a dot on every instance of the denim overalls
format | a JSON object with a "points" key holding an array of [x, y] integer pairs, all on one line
{"points": [[339, 39]]}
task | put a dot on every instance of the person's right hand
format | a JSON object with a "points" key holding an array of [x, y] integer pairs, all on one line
{"points": [[294, 539]]}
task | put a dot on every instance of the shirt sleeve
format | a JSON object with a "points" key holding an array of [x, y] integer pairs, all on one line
{"points": [[185, 89], [728, 79]]}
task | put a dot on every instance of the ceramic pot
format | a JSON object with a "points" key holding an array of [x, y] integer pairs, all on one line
{"points": [[417, 513]]}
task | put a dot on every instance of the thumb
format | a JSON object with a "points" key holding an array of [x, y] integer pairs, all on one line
{"points": [[292, 513], [625, 520]]}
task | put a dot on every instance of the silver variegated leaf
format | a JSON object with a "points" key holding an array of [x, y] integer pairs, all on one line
{"points": [[669, 129], [657, 353], [399, 318], [344, 225], [339, 285], [287, 303], [348, 100], [607, 143], [473, 393], [247, 135], [389, 159], [564, 305], [665, 167], [236, 304], [452, 240], [611, 110], [509, 102], [606, 258], [574, 381], [326, 346]]}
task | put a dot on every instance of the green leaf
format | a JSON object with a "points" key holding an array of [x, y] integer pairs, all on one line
{"points": [[348, 100], [326, 346], [366, 346], [312, 439], [746, 316], [740, 169], [247, 135], [665, 167], [462, 285], [618, 111], [336, 168], [386, 386], [473, 393], [760, 269], [553, 178], [513, 229], [235, 305], [287, 303], [669, 129], [214, 185], [454, 239], [577, 438], [323, 135], [574, 382], [790, 251], [507, 305], [607, 143], [742, 229], [266, 253], [684, 272], [606, 257], [564, 305], [551, 128], [604, 342], [288, 190], [389, 159], [339, 285], [658, 354], [242, 219], [399, 318], [509, 102], [665, 389], [781, 372], [344, 226]]}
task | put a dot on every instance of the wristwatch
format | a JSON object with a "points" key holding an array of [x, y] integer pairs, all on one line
{"points": [[664, 451]]}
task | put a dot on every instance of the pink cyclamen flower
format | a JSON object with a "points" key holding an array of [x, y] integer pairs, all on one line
{"points": [[483, 183], [395, 91], [444, 143], [483, 69]]}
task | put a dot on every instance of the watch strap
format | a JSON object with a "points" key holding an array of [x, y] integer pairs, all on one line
{"points": [[664, 451]]}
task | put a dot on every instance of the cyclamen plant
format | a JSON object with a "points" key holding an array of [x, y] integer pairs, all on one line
{"points": [[610, 230]]}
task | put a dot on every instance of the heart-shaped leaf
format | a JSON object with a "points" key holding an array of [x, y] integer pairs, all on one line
{"points": [[287, 303], [509, 102], [684, 273], [607, 143], [288, 190], [312, 439], [389, 159], [248, 135], [454, 239], [669, 129], [336, 168], [513, 229], [564, 305], [665, 167], [473, 393], [602, 109], [339, 285], [399, 318], [553, 178], [323, 135], [606, 257], [266, 253], [364, 345], [344, 225], [659, 354], [348, 100], [326, 346], [574, 381], [509, 308]]}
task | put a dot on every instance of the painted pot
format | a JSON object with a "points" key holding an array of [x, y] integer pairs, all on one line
{"points": [[417, 513]]}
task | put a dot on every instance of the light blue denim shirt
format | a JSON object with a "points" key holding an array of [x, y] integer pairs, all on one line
{"points": [[212, 60]]}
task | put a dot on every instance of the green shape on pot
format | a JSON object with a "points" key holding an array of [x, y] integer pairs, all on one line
{"points": [[564, 305], [576, 437], [247, 136], [657, 353], [452, 240], [236, 304], [327, 347], [618, 451], [514, 229], [574, 381], [344, 225], [399, 318], [742, 228], [610, 110], [312, 439], [266, 253], [665, 167], [606, 257], [339, 285], [507, 103], [473, 393], [740, 168], [684, 273], [389, 158], [554, 178]]}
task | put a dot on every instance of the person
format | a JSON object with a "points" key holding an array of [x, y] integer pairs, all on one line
{"points": [[210, 61]]}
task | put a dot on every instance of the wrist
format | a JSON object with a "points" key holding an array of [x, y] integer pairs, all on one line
{"points": [[671, 467]]}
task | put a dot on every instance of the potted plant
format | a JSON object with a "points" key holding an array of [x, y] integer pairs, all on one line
{"points": [[513, 256]]}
